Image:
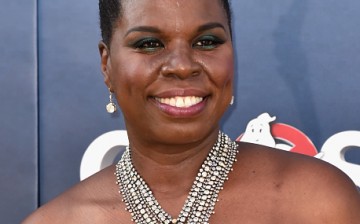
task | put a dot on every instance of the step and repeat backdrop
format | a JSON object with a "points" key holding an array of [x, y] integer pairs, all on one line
{"points": [[296, 60]]}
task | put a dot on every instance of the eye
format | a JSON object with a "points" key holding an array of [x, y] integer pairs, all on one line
{"points": [[208, 42], [148, 45]]}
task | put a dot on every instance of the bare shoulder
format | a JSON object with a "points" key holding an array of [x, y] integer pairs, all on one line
{"points": [[94, 200], [307, 188]]}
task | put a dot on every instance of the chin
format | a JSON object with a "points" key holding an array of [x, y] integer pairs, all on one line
{"points": [[184, 134]]}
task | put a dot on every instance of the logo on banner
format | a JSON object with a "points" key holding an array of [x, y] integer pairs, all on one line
{"points": [[285, 137], [261, 130]]}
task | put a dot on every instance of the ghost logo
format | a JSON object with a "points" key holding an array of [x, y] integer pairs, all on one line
{"points": [[258, 131], [285, 137], [278, 135]]}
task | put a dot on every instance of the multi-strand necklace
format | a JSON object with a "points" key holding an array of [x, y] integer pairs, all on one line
{"points": [[200, 203]]}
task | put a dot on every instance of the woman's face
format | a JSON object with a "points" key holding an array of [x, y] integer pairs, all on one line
{"points": [[170, 64]]}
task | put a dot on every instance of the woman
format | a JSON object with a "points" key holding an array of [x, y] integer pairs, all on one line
{"points": [[170, 65]]}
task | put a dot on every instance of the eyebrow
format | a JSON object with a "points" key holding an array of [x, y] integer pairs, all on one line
{"points": [[151, 29], [209, 26]]}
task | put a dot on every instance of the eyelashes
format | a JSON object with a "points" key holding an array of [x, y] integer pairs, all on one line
{"points": [[208, 42], [152, 44], [148, 44]]}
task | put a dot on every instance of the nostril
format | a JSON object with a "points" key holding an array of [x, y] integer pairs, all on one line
{"points": [[181, 71], [195, 73]]}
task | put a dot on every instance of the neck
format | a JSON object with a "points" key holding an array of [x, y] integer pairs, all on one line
{"points": [[201, 198], [164, 166]]}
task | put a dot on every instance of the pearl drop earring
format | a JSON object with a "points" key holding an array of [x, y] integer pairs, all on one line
{"points": [[111, 107]]}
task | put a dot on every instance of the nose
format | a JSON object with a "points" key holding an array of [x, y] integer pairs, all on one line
{"points": [[180, 63]]}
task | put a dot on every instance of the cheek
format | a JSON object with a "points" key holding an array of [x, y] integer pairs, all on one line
{"points": [[222, 73], [131, 76], [222, 77]]}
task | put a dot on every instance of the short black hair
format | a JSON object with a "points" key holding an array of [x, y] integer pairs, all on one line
{"points": [[111, 10]]}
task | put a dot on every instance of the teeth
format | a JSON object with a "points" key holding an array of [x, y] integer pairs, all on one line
{"points": [[179, 101], [187, 101]]}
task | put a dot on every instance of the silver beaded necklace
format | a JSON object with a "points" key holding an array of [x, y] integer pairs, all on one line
{"points": [[200, 203]]}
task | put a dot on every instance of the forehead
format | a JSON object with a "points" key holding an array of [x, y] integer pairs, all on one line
{"points": [[176, 14]]}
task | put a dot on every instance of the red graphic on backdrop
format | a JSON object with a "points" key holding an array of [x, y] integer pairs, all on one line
{"points": [[277, 135], [294, 137]]}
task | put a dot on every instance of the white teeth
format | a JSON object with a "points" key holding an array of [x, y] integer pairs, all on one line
{"points": [[187, 102], [179, 101], [172, 102]]}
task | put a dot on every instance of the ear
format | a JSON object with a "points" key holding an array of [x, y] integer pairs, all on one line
{"points": [[105, 63]]}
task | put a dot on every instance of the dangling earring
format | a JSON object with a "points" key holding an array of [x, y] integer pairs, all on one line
{"points": [[111, 107], [232, 100]]}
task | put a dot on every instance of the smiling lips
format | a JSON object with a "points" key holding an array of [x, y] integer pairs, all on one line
{"points": [[180, 101]]}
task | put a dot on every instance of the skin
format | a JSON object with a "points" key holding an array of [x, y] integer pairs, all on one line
{"points": [[266, 186]]}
